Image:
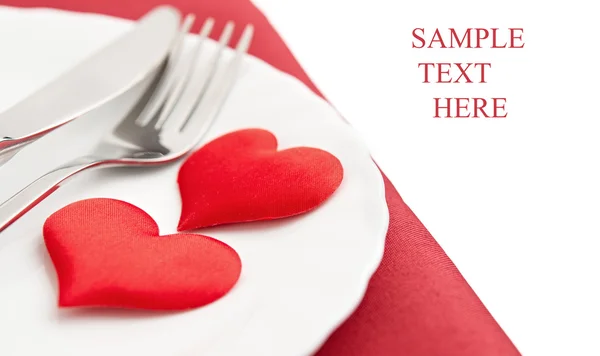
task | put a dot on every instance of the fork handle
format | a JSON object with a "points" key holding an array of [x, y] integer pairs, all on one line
{"points": [[19, 204]]}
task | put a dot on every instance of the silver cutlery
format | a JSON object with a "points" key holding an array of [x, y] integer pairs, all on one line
{"points": [[102, 77], [164, 125]]}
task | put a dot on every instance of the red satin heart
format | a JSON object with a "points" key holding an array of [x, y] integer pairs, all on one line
{"points": [[109, 253], [241, 177]]}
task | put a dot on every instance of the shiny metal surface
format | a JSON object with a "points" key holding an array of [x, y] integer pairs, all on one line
{"points": [[103, 76], [166, 123]]}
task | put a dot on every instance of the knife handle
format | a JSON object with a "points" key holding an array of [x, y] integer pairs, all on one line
{"points": [[19, 204]]}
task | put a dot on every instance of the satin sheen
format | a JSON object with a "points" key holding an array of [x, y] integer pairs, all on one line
{"points": [[241, 177], [108, 253]]}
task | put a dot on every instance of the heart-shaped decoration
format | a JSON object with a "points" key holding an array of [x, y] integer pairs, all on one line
{"points": [[109, 253], [241, 177]]}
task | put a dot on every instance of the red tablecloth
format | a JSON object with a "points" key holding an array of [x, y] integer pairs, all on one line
{"points": [[417, 302]]}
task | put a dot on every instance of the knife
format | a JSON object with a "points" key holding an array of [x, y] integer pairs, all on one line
{"points": [[96, 80]]}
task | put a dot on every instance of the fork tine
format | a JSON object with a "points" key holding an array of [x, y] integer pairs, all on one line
{"points": [[217, 92], [185, 74], [168, 78], [196, 87]]}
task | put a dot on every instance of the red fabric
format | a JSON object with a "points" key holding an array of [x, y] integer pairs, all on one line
{"points": [[241, 177], [417, 303], [108, 253]]}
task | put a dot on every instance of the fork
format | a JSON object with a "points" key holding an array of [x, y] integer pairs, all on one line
{"points": [[164, 125]]}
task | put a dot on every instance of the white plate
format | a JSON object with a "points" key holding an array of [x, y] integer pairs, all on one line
{"points": [[301, 277]]}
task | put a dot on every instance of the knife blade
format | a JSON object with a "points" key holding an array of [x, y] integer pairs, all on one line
{"points": [[99, 78]]}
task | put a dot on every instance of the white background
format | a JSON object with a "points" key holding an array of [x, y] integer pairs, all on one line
{"points": [[514, 202]]}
